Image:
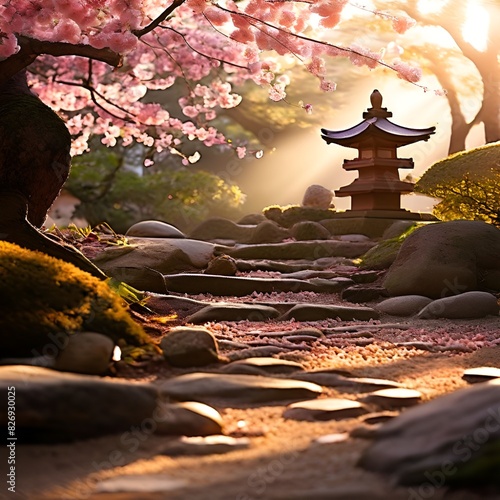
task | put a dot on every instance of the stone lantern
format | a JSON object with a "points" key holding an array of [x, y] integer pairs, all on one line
{"points": [[378, 189]]}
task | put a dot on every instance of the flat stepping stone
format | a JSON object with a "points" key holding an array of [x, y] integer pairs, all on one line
{"points": [[379, 417], [252, 352], [314, 312], [232, 312], [360, 384], [361, 293], [313, 332], [53, 406], [325, 409], [195, 283], [140, 483], [481, 374], [234, 389], [210, 445], [394, 398], [264, 365], [309, 250]]}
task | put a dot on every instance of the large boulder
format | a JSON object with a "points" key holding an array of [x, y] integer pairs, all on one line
{"points": [[142, 263], [219, 228], [445, 259]]}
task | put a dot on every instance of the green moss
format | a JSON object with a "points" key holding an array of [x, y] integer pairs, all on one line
{"points": [[42, 298], [384, 254], [289, 215]]}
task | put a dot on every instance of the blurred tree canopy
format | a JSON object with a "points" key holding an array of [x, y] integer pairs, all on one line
{"points": [[111, 190], [468, 184]]}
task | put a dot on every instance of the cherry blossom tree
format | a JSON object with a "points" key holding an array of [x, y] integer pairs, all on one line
{"points": [[96, 62]]}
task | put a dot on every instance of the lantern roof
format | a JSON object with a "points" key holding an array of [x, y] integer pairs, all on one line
{"points": [[376, 130]]}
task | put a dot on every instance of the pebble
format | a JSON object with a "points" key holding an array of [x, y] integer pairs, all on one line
{"points": [[140, 483], [188, 346], [265, 364], [394, 398], [209, 445], [324, 409], [481, 374]]}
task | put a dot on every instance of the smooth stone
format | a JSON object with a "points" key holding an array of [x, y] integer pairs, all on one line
{"points": [[210, 445], [222, 265], [360, 293], [317, 196], [185, 346], [232, 312], [364, 276], [188, 418], [332, 438], [140, 483], [311, 331], [143, 262], [398, 397], [309, 250], [446, 258], [85, 352], [309, 230], [379, 417], [261, 351], [206, 387], [360, 384], [154, 229], [455, 429], [467, 305], [405, 305], [481, 374], [54, 406], [324, 409], [314, 312], [353, 237], [265, 364], [240, 286], [216, 228]]}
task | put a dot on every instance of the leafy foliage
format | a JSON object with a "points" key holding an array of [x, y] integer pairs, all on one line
{"points": [[468, 184], [110, 190]]}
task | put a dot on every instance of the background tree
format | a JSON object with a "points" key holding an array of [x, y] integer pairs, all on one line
{"points": [[111, 190], [452, 17], [468, 184]]}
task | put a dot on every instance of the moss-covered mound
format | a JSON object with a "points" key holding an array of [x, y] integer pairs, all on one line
{"points": [[288, 216], [384, 254], [42, 298]]}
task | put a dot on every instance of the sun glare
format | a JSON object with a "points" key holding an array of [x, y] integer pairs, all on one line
{"points": [[476, 28]]}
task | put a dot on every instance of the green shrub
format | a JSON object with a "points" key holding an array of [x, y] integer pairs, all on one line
{"points": [[468, 184], [290, 215]]}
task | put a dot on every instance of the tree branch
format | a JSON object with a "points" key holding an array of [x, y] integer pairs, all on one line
{"points": [[156, 22], [32, 48]]}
